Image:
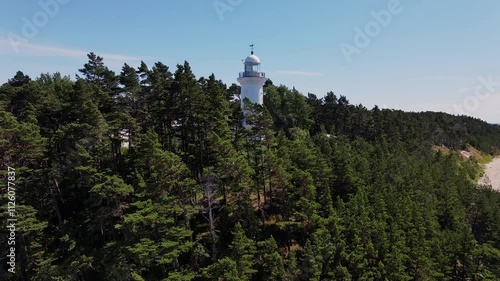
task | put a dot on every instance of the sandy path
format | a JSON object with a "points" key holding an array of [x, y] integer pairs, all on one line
{"points": [[492, 174]]}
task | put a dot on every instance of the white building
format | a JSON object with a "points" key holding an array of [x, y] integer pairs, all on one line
{"points": [[252, 81]]}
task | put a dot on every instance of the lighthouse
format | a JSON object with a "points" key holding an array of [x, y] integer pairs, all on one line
{"points": [[252, 80]]}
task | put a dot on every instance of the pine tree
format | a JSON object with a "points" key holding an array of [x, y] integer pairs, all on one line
{"points": [[269, 262], [243, 252]]}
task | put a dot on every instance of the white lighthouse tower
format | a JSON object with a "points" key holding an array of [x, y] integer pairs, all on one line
{"points": [[252, 80]]}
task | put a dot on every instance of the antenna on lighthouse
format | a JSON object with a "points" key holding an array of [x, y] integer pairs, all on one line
{"points": [[251, 48]]}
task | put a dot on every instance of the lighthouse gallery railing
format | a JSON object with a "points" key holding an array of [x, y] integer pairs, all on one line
{"points": [[252, 74]]}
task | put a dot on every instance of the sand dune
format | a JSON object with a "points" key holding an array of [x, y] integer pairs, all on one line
{"points": [[492, 174]]}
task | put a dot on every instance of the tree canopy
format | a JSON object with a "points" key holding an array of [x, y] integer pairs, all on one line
{"points": [[149, 174]]}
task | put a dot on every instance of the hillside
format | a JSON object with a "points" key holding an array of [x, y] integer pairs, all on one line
{"points": [[149, 175], [492, 174]]}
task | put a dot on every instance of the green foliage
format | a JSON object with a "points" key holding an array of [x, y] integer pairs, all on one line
{"points": [[270, 262], [151, 175], [243, 253], [224, 269]]}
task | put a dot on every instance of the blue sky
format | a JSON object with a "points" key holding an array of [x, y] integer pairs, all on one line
{"points": [[420, 54]]}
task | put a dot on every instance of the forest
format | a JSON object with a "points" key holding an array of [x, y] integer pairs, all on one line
{"points": [[149, 174]]}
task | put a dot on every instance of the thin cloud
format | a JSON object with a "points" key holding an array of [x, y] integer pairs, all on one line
{"points": [[483, 82], [28, 49], [444, 77], [298, 73]]}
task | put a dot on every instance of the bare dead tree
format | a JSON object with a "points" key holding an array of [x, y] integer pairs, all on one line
{"points": [[210, 193]]}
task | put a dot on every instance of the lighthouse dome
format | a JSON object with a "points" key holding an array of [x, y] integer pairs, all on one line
{"points": [[252, 59]]}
